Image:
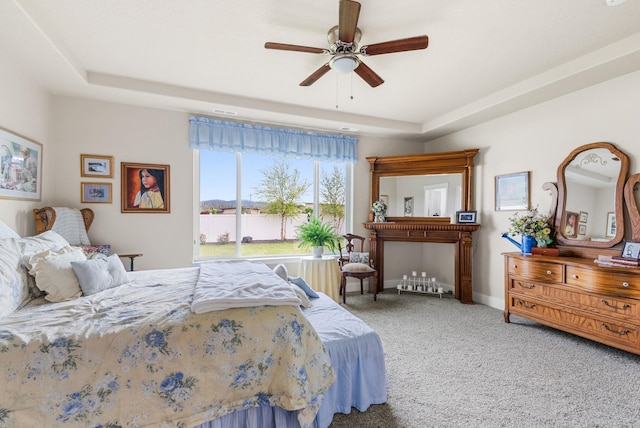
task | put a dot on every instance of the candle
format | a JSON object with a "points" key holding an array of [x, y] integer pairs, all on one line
{"points": [[404, 276], [424, 274], [414, 273], [399, 286]]}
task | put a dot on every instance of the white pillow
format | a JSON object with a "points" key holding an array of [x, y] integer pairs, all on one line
{"points": [[14, 291], [357, 267], [281, 271], [99, 274], [6, 232], [45, 241], [54, 274]]}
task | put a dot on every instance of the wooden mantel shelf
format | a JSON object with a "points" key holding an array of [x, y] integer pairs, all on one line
{"points": [[428, 231]]}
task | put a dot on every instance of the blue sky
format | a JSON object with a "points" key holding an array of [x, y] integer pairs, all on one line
{"points": [[218, 172]]}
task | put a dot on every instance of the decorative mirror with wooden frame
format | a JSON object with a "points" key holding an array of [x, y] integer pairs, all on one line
{"points": [[591, 182], [436, 184]]}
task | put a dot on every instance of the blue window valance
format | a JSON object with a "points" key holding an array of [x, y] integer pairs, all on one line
{"points": [[228, 136]]}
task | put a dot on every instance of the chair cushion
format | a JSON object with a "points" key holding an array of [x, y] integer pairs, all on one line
{"points": [[357, 267], [355, 257], [90, 249], [100, 274]]}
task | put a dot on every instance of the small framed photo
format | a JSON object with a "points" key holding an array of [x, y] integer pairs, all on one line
{"points": [[408, 206], [611, 224], [385, 199], [466, 216], [96, 166], [512, 192], [145, 188], [583, 216], [582, 229], [631, 250], [95, 193]]}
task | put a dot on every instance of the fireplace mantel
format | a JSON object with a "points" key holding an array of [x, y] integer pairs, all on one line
{"points": [[437, 232]]}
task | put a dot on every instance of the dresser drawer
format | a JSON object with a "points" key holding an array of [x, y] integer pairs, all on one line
{"points": [[542, 271], [603, 281], [602, 329]]}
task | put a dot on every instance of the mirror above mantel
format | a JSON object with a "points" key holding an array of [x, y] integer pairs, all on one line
{"points": [[423, 187], [590, 209]]}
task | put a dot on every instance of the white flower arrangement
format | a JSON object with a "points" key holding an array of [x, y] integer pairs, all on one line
{"points": [[379, 207]]}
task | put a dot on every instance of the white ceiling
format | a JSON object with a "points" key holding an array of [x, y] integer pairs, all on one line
{"points": [[485, 58]]}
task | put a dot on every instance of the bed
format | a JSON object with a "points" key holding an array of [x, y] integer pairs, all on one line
{"points": [[137, 355]]}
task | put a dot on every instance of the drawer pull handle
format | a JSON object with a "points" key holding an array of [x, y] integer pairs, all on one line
{"points": [[625, 306], [515, 266], [625, 284], [621, 332], [549, 272], [527, 286], [574, 276], [527, 305]]}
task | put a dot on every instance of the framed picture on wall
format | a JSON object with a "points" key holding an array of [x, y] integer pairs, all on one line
{"points": [[95, 193], [611, 224], [584, 216], [512, 192], [145, 188], [20, 167], [96, 166], [570, 225]]}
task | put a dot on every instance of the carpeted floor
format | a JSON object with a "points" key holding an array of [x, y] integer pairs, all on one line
{"points": [[454, 365]]}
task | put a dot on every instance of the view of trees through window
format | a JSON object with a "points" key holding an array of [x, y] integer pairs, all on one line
{"points": [[276, 194]]}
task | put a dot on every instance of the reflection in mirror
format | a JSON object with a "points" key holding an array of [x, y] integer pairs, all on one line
{"points": [[593, 178], [430, 195]]}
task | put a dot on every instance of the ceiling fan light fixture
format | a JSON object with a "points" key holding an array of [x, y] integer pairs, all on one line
{"points": [[344, 64]]}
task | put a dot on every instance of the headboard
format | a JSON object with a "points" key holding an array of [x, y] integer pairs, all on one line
{"points": [[45, 217]]}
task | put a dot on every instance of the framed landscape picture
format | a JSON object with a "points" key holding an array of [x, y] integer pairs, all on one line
{"points": [[96, 166], [512, 192], [20, 167], [95, 193], [145, 188]]}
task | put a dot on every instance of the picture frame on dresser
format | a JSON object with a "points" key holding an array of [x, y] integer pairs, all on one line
{"points": [[630, 250], [466, 217]]}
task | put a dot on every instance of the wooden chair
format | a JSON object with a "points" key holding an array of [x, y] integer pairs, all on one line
{"points": [[356, 264], [45, 218]]}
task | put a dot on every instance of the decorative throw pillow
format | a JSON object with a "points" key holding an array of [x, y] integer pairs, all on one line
{"points": [[304, 286], [46, 241], [357, 267], [91, 249], [54, 275], [100, 274], [355, 257], [6, 232], [281, 271], [14, 291]]}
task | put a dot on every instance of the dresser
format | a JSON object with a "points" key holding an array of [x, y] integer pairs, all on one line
{"points": [[575, 295]]}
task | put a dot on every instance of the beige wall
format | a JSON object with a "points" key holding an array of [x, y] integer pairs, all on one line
{"points": [[25, 110], [538, 139]]}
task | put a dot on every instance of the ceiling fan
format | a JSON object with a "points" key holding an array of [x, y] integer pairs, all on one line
{"points": [[345, 55]]}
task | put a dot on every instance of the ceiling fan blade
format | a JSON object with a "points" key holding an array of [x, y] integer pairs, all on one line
{"points": [[368, 75], [348, 20], [316, 75], [295, 48], [401, 45]]}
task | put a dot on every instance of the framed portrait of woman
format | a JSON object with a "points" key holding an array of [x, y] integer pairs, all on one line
{"points": [[145, 188]]}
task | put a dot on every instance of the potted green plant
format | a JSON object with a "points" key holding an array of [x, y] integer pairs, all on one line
{"points": [[317, 235]]}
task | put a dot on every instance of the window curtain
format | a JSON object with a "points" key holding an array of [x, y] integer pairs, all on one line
{"points": [[229, 136]]}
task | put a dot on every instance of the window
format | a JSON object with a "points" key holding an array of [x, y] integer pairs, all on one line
{"points": [[250, 204]]}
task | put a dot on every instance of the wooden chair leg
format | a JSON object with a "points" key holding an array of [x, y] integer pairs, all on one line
{"points": [[375, 288], [343, 288], [361, 287]]}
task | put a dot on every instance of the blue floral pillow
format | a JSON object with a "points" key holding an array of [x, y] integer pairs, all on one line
{"points": [[355, 257]]}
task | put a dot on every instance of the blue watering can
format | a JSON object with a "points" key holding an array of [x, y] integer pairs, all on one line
{"points": [[525, 246]]}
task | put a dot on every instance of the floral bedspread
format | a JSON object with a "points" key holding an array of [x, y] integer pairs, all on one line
{"points": [[136, 356]]}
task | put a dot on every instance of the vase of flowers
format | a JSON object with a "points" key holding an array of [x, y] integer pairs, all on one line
{"points": [[379, 209], [533, 228]]}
